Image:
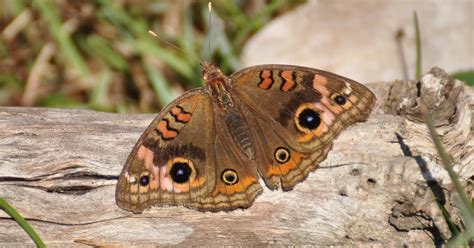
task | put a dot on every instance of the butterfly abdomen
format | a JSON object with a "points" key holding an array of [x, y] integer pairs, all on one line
{"points": [[239, 131]]}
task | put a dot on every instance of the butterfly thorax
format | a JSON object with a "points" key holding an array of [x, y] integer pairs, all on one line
{"points": [[218, 85]]}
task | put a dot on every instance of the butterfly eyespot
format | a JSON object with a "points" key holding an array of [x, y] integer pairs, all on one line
{"points": [[180, 172], [144, 180], [229, 177], [339, 99], [282, 155], [307, 119]]}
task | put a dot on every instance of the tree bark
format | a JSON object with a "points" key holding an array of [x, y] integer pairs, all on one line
{"points": [[59, 168]]}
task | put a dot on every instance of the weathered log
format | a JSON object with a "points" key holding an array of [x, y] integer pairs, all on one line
{"points": [[59, 169]]}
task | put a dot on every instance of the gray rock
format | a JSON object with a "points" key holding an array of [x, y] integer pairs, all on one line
{"points": [[357, 38]]}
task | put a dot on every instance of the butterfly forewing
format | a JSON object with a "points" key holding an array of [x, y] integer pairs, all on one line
{"points": [[168, 165]]}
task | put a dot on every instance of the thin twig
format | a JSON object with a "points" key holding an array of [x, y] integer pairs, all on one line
{"points": [[19, 23], [38, 69], [418, 48], [403, 61]]}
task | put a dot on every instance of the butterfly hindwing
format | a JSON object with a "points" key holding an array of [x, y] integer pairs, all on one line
{"points": [[297, 112]]}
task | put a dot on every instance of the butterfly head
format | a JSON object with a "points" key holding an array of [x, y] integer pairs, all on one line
{"points": [[211, 73]]}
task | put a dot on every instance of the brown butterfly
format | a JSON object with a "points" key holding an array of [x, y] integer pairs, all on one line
{"points": [[207, 149]]}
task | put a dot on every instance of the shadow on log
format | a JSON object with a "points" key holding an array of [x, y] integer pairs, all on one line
{"points": [[59, 168]]}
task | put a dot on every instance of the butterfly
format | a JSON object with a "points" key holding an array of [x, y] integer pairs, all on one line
{"points": [[208, 148]]}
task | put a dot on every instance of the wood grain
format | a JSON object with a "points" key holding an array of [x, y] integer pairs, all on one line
{"points": [[59, 169]]}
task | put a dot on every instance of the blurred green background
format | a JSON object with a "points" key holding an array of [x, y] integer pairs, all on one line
{"points": [[99, 55]]}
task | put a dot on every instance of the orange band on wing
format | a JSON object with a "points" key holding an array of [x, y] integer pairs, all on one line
{"points": [[180, 115], [154, 182], [319, 84], [266, 79], [288, 83], [185, 187], [336, 109], [321, 129], [165, 131], [237, 188], [176, 110], [283, 169], [134, 188], [318, 79], [184, 117], [145, 154], [306, 137]]}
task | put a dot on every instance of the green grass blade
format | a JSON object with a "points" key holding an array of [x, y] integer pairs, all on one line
{"points": [[59, 100], [10, 80], [466, 76], [164, 93], [121, 19], [467, 212], [418, 48], [22, 222], [15, 6], [147, 46], [4, 53], [448, 165], [225, 47], [97, 46], [136, 31], [188, 41], [455, 230], [233, 11], [98, 99], [221, 43], [48, 12], [461, 240], [262, 17]]}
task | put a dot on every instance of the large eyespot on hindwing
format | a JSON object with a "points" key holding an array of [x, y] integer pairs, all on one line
{"points": [[282, 155], [307, 118], [182, 170], [229, 177]]}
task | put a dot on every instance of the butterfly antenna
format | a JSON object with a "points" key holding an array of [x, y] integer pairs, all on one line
{"points": [[174, 46], [209, 6]]}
